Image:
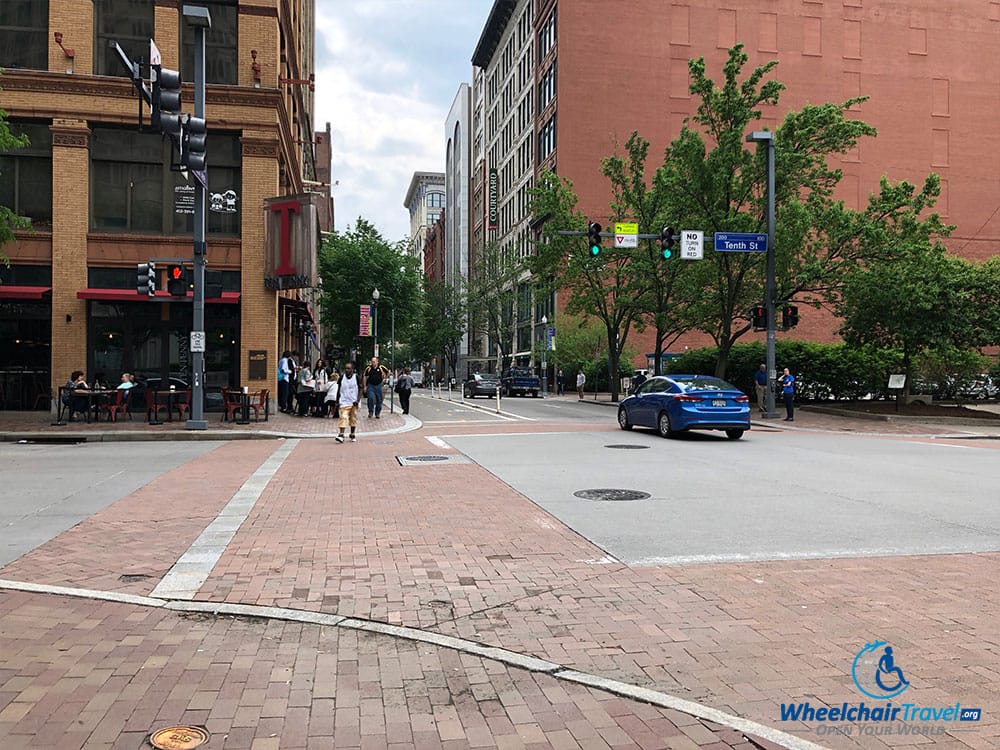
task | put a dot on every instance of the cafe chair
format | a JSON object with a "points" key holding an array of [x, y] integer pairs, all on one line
{"points": [[117, 404], [183, 406], [259, 403], [153, 407], [231, 402]]}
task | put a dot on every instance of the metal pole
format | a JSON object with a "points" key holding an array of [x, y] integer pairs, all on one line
{"points": [[375, 323], [201, 19], [392, 359], [771, 364]]}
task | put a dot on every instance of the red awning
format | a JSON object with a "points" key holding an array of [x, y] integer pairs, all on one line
{"points": [[8, 291], [130, 295]]}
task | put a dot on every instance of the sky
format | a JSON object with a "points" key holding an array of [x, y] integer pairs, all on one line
{"points": [[387, 72]]}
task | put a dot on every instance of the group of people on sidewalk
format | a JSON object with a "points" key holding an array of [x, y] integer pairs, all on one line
{"points": [[321, 390]]}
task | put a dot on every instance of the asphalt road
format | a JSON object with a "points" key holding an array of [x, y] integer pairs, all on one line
{"points": [[773, 495]]}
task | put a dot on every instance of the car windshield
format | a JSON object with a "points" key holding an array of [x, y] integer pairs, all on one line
{"points": [[704, 383]]}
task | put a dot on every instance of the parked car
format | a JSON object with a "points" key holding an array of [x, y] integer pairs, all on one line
{"points": [[519, 381], [481, 384], [677, 403], [981, 388]]}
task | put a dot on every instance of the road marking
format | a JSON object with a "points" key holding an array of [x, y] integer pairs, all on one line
{"points": [[462, 645], [191, 571], [436, 441]]}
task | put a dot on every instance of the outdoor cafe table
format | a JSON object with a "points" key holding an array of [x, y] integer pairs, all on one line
{"points": [[170, 399]]}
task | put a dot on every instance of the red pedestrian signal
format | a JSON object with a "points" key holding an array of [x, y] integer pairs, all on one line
{"points": [[177, 283]]}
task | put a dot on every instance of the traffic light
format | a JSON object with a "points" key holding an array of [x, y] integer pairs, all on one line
{"points": [[177, 283], [165, 110], [667, 242], [789, 316], [594, 238], [193, 144], [145, 282], [758, 317]]}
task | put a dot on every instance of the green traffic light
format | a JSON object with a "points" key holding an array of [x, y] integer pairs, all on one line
{"points": [[667, 253], [595, 250]]}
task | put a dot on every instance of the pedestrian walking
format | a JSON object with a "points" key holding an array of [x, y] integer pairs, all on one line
{"points": [[320, 382], [760, 382], [560, 383], [330, 398], [581, 380], [348, 400], [788, 393], [374, 375], [404, 387]]}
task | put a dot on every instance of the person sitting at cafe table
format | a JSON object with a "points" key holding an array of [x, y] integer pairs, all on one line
{"points": [[77, 395], [128, 383]]}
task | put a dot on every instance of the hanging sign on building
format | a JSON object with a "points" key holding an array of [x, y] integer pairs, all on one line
{"points": [[494, 192], [365, 320], [292, 241]]}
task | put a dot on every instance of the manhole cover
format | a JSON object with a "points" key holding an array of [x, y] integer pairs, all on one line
{"points": [[627, 446], [426, 458], [608, 494], [179, 738]]}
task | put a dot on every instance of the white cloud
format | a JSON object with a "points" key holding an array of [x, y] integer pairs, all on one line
{"points": [[386, 74]]}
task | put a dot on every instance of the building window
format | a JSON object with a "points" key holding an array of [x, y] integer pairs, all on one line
{"points": [[547, 87], [26, 175], [128, 22], [133, 190], [547, 139], [435, 200], [220, 43], [24, 31], [547, 36]]}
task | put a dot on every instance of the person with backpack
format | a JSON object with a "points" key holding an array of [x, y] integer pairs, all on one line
{"points": [[404, 387], [374, 375]]}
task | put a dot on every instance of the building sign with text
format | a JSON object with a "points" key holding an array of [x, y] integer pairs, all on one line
{"points": [[494, 186], [292, 241]]}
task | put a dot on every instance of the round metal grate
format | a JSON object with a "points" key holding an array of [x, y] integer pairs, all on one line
{"points": [[611, 495], [627, 446], [179, 738], [426, 458]]}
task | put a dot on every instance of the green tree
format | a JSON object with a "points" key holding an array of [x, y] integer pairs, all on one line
{"points": [[9, 221], [923, 303], [716, 182], [442, 323], [352, 265], [493, 295]]}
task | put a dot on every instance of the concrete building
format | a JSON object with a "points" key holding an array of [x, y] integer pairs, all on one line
{"points": [[560, 83], [425, 200], [457, 181], [101, 195]]}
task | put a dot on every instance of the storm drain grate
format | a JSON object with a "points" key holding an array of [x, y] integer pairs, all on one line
{"points": [[611, 495], [627, 446], [179, 738], [421, 460]]}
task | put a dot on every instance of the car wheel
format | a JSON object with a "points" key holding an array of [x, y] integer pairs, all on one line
{"points": [[663, 425], [623, 419], [534, 394], [734, 434], [469, 393]]}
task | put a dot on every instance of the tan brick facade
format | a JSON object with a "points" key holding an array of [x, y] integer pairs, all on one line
{"points": [[272, 120]]}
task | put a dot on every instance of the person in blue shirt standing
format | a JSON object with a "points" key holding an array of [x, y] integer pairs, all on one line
{"points": [[760, 381], [788, 393]]}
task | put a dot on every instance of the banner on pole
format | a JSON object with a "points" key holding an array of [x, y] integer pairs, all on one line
{"points": [[365, 321]]}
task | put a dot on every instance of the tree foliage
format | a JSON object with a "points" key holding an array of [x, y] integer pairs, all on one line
{"points": [[9, 221], [352, 265], [492, 298], [441, 323]]}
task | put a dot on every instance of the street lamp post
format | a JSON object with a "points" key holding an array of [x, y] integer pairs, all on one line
{"points": [[766, 136], [392, 359], [375, 296], [545, 350]]}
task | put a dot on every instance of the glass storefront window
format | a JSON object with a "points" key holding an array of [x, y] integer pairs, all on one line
{"points": [[24, 31]]}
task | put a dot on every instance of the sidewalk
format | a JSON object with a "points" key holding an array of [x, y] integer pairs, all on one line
{"points": [[362, 603]]}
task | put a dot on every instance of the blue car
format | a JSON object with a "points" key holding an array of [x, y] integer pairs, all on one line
{"points": [[676, 403]]}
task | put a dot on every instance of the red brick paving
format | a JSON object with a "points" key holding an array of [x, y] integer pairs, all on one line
{"points": [[345, 529]]}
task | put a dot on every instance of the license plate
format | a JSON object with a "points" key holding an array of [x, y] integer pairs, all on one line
{"points": [[719, 402]]}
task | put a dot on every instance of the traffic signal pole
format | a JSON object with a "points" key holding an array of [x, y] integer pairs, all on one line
{"points": [[199, 18]]}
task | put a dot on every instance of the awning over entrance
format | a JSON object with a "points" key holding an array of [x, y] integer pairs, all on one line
{"points": [[8, 291], [130, 295], [302, 307]]}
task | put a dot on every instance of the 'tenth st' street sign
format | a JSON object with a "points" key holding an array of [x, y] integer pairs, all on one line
{"points": [[734, 242]]}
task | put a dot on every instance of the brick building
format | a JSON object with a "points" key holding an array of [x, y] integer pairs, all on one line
{"points": [[564, 81], [102, 197]]}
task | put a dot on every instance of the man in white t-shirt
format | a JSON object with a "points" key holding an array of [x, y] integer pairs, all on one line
{"points": [[349, 398], [580, 380]]}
